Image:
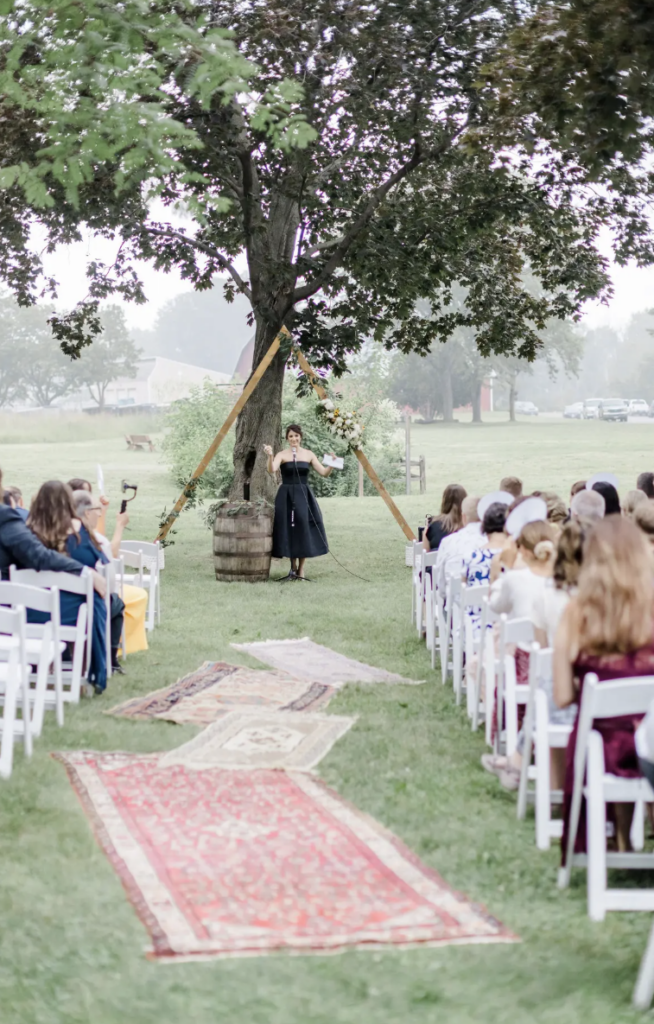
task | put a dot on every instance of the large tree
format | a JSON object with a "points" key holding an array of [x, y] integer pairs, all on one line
{"points": [[401, 194]]}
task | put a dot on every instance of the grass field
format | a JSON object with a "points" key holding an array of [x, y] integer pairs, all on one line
{"points": [[71, 948]]}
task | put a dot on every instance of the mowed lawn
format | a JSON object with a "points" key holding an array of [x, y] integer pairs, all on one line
{"points": [[71, 947]]}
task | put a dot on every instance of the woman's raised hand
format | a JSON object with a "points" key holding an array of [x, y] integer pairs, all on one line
{"points": [[267, 450]]}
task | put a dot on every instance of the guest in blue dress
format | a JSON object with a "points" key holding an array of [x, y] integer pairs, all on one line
{"points": [[51, 520]]}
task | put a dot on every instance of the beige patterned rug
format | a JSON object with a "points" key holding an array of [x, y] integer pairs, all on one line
{"points": [[266, 739], [306, 660], [217, 688]]}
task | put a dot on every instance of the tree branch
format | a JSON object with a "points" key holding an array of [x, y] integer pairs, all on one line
{"points": [[209, 250], [305, 291]]}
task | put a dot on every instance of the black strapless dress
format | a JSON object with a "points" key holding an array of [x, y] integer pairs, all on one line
{"points": [[298, 530]]}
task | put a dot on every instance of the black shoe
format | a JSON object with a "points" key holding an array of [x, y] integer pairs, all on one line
{"points": [[118, 668]]}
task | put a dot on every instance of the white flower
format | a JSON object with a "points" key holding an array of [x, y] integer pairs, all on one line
{"points": [[327, 404]]}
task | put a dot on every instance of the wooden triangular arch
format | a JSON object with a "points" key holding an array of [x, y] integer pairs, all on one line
{"points": [[240, 403]]}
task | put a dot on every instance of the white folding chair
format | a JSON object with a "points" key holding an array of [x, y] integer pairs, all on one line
{"points": [[417, 553], [606, 700], [541, 736], [80, 635], [485, 670], [509, 693], [454, 625], [44, 648], [429, 624], [471, 597], [144, 557], [13, 688]]}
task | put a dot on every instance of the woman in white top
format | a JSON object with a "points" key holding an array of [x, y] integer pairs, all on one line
{"points": [[520, 575]]}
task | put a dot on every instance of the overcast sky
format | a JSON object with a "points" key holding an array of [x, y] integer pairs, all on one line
{"points": [[634, 287]]}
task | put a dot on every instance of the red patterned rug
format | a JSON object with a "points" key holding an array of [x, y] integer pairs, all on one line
{"points": [[222, 863]]}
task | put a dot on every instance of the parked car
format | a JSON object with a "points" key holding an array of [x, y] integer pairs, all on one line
{"points": [[591, 408], [526, 409], [638, 407], [616, 409], [574, 411]]}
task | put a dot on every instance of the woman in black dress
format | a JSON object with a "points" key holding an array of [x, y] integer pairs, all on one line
{"points": [[298, 531]]}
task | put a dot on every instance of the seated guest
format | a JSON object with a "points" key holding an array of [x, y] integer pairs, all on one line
{"points": [[84, 547], [20, 547], [606, 484], [457, 546], [476, 566], [16, 496], [111, 548], [587, 506], [643, 517], [557, 513], [51, 520], [513, 485], [449, 520], [577, 487], [546, 614], [631, 500], [525, 565], [645, 483], [611, 497], [607, 629], [135, 598]]}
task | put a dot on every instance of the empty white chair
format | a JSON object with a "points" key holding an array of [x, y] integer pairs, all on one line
{"points": [[485, 670], [80, 635], [13, 688], [44, 647], [606, 700], [143, 556]]}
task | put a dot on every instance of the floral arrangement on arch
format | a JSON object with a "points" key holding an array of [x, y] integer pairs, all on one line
{"points": [[345, 425]]}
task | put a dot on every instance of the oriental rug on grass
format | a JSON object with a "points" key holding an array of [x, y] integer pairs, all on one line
{"points": [[224, 863], [262, 739], [216, 688], [307, 660]]}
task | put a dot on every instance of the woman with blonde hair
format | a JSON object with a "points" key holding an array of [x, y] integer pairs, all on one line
{"points": [[631, 502], [450, 519], [608, 629], [524, 567]]}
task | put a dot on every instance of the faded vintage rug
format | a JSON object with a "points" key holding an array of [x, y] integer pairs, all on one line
{"points": [[216, 688], [306, 660], [264, 739], [220, 863]]}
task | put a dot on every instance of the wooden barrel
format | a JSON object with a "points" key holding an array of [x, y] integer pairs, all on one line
{"points": [[242, 543]]}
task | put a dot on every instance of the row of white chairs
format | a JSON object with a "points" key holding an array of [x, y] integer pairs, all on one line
{"points": [[34, 677], [473, 660]]}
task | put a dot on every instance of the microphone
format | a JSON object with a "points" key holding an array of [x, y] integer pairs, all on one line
{"points": [[294, 450]]}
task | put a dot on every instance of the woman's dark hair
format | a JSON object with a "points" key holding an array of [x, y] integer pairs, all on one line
{"points": [[77, 484], [293, 427], [645, 483], [51, 514], [611, 497], [450, 516], [494, 518]]}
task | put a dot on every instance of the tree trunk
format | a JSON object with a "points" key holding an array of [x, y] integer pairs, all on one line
{"points": [[446, 394], [260, 423], [512, 394], [476, 402]]}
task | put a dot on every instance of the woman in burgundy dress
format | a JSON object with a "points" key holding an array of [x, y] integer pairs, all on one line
{"points": [[607, 628]]}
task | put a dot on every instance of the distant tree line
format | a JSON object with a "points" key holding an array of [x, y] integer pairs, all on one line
{"points": [[33, 368]]}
